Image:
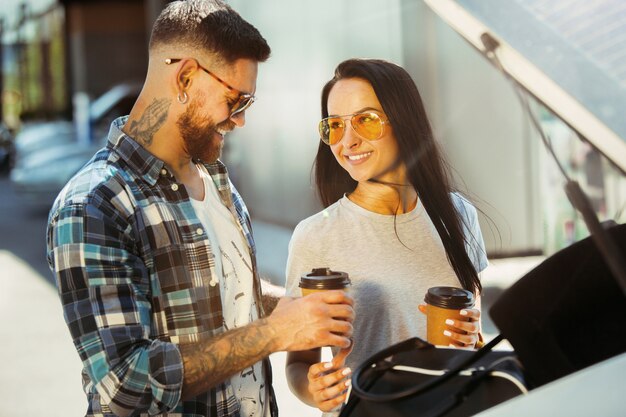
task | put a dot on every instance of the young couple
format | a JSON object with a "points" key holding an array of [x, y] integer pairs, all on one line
{"points": [[153, 253]]}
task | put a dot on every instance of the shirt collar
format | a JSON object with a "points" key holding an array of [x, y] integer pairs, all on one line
{"points": [[148, 166], [139, 160]]}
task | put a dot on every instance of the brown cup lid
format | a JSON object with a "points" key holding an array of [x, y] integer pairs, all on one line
{"points": [[324, 279], [449, 297]]}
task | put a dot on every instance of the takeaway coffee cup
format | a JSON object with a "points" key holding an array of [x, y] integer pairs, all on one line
{"points": [[322, 279], [444, 303]]}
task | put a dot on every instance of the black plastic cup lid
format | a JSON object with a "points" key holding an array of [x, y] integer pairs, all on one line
{"points": [[449, 297], [324, 279]]}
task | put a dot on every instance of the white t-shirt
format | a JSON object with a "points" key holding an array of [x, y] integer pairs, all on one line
{"points": [[390, 274], [234, 270]]}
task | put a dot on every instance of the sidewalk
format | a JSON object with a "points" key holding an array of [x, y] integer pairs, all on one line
{"points": [[40, 368]]}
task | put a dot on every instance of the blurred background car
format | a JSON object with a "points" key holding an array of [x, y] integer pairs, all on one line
{"points": [[6, 148], [114, 103], [41, 174], [48, 154]]}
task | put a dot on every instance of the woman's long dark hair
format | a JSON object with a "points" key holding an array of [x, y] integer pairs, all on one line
{"points": [[427, 171]]}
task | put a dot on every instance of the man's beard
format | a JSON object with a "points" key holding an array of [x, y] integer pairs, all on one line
{"points": [[198, 133]]}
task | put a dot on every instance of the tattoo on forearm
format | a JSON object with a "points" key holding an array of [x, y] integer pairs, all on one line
{"points": [[208, 363], [151, 120]]}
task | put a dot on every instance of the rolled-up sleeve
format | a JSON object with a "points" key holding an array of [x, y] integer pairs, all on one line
{"points": [[105, 291]]}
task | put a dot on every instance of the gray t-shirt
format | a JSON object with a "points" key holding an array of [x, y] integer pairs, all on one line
{"points": [[390, 274]]}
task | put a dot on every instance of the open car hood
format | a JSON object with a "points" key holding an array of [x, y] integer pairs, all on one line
{"points": [[568, 54]]}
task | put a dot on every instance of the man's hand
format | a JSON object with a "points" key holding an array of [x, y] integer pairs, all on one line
{"points": [[320, 319], [323, 319]]}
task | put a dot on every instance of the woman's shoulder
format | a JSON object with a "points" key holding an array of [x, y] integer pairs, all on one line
{"points": [[319, 222], [311, 235]]}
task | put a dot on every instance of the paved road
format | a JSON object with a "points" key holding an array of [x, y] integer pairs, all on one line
{"points": [[23, 229]]}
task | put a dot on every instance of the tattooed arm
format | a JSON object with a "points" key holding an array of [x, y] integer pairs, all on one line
{"points": [[208, 364], [322, 319]]}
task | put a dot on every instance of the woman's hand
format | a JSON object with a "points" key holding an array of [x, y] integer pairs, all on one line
{"points": [[329, 381], [462, 334]]}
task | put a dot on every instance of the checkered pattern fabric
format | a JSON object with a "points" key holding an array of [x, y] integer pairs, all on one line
{"points": [[134, 270]]}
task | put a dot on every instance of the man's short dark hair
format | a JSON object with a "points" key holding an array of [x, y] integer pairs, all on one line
{"points": [[211, 26]]}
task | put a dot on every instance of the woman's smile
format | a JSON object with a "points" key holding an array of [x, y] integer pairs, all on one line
{"points": [[358, 158]]}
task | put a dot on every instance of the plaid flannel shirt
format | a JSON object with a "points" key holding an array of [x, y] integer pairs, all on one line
{"points": [[135, 274]]}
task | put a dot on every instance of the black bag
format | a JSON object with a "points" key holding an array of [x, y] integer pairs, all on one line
{"points": [[415, 378]]}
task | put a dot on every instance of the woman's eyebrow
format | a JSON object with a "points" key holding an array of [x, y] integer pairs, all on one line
{"points": [[364, 109]]}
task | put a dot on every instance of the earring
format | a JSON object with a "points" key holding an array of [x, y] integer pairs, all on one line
{"points": [[184, 99]]}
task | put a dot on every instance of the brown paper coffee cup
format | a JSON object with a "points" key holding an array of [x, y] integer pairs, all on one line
{"points": [[323, 279], [444, 303]]}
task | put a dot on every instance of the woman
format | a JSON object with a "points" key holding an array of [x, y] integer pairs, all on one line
{"points": [[391, 221]]}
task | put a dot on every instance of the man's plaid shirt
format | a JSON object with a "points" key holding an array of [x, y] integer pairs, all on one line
{"points": [[135, 274]]}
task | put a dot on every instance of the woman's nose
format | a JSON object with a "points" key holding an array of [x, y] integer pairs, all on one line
{"points": [[350, 138]]}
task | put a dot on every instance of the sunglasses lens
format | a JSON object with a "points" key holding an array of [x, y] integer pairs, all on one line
{"points": [[242, 104], [331, 130], [368, 125]]}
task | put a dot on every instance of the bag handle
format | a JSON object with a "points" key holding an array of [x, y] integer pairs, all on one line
{"points": [[405, 346]]}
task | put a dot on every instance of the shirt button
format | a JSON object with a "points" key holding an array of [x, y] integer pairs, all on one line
{"points": [[164, 172], [174, 187], [199, 230], [212, 283]]}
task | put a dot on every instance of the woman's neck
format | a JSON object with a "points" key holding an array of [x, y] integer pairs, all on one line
{"points": [[384, 198]]}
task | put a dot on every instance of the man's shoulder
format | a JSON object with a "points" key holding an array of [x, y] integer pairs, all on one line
{"points": [[98, 182]]}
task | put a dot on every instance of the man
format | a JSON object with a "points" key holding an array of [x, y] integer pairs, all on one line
{"points": [[152, 248]]}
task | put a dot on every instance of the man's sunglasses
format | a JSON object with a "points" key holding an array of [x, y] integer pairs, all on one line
{"points": [[244, 100], [368, 125]]}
